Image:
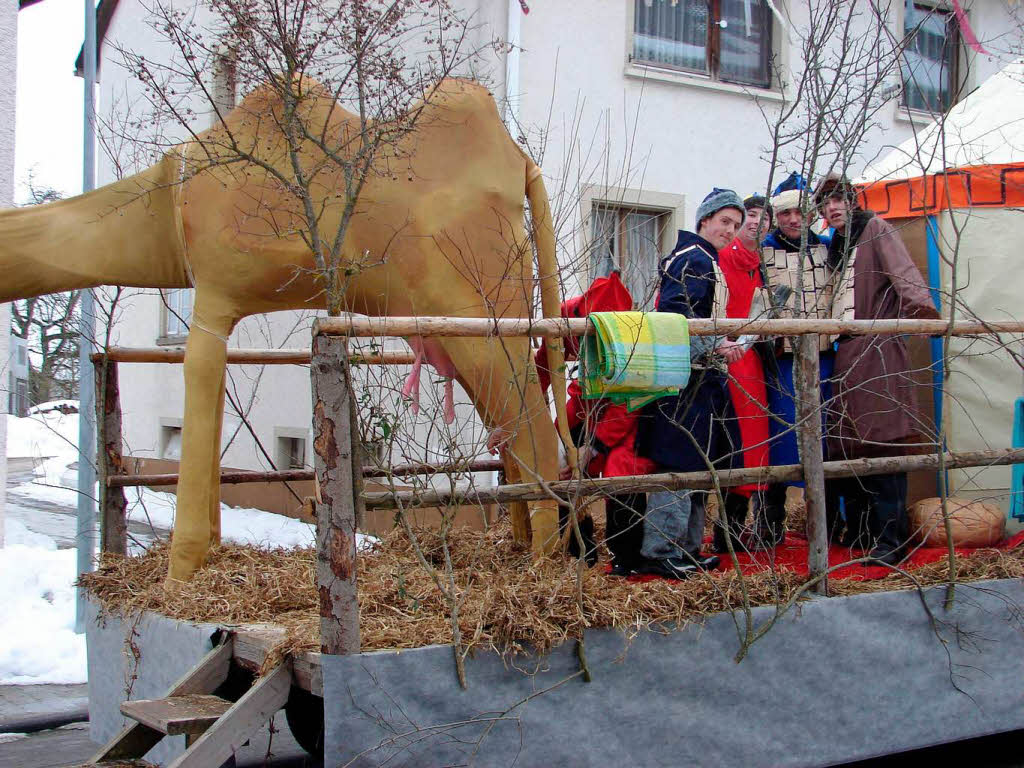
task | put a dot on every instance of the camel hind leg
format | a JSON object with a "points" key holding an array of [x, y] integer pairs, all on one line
{"points": [[500, 378], [197, 522]]}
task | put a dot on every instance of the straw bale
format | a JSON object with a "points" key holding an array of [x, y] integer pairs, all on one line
{"points": [[507, 601]]}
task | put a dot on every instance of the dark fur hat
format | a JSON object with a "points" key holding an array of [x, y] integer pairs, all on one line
{"points": [[836, 185]]}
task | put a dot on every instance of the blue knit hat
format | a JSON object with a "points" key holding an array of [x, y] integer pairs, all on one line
{"points": [[787, 195], [716, 201]]}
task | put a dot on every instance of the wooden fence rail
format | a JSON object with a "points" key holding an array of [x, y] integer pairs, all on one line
{"points": [[297, 475], [244, 356], [361, 326], [672, 481]]}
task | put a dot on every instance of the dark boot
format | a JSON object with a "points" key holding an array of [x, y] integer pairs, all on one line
{"points": [[887, 517], [770, 522], [733, 518], [586, 524], [834, 502], [857, 535], [624, 533]]}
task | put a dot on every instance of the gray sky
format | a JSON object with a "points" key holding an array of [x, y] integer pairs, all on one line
{"points": [[49, 112]]}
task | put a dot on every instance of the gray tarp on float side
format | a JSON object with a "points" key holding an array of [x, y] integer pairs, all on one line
{"points": [[835, 680], [138, 658]]}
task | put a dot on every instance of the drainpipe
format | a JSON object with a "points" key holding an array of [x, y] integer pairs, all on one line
{"points": [[515, 17], [85, 534]]}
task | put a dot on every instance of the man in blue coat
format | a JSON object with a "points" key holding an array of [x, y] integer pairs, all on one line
{"points": [[792, 235], [696, 429]]}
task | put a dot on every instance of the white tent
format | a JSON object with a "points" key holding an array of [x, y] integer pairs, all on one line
{"points": [[986, 128], [956, 193]]}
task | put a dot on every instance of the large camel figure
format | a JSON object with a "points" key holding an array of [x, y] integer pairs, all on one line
{"points": [[442, 221]]}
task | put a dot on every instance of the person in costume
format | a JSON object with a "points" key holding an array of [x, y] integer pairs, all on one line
{"points": [[605, 433], [741, 266], [683, 433], [792, 255], [875, 395]]}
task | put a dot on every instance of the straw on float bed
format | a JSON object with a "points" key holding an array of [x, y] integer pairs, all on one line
{"points": [[508, 602]]}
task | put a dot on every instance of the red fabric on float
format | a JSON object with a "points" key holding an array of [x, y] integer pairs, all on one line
{"points": [[791, 555]]}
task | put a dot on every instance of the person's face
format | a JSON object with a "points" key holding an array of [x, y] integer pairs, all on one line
{"points": [[791, 222], [836, 211], [721, 227], [754, 227]]}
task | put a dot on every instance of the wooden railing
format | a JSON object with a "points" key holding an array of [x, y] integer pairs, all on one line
{"points": [[331, 358]]}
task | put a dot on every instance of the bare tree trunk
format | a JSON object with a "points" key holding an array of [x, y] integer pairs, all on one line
{"points": [[339, 484], [113, 505], [808, 412]]}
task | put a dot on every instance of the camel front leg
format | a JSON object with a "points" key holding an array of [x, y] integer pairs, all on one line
{"points": [[197, 522]]}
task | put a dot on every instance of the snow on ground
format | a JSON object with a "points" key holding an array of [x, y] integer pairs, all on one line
{"points": [[37, 615]]}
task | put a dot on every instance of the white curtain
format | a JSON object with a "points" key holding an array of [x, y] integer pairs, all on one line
{"points": [[641, 263], [603, 250]]}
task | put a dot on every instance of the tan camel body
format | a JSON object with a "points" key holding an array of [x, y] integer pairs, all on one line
{"points": [[438, 230]]}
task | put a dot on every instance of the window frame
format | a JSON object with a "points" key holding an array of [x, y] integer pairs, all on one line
{"points": [[285, 440], [168, 335], [667, 206], [961, 60], [712, 59]]}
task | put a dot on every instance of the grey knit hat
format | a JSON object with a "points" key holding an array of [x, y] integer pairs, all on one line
{"points": [[716, 201]]}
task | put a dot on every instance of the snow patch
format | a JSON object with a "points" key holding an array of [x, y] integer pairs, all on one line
{"points": [[37, 614]]}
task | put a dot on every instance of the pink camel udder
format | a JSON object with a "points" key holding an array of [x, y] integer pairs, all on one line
{"points": [[438, 359]]}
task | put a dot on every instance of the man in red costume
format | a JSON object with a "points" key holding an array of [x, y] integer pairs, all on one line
{"points": [[605, 433], [741, 265]]}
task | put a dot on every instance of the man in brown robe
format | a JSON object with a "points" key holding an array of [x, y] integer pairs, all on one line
{"points": [[872, 413]]}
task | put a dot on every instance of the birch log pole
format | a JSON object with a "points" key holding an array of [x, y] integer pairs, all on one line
{"points": [[109, 461], [806, 379], [339, 485]]}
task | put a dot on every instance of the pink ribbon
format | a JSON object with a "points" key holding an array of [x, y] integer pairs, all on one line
{"points": [[524, 6], [965, 28]]}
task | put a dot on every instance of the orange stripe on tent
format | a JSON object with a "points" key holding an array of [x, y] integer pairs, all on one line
{"points": [[980, 186]]}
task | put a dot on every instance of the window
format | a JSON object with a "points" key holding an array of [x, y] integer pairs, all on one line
{"points": [[170, 442], [627, 239], [728, 40], [291, 452], [177, 311], [18, 401], [930, 55]]}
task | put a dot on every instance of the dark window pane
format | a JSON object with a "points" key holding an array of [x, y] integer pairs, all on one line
{"points": [[671, 33], [929, 58], [746, 41]]}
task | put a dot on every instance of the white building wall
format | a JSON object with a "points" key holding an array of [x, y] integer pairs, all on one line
{"points": [[642, 135], [8, 80]]}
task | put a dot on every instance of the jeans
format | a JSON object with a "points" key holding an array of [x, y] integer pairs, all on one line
{"points": [[674, 525]]}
